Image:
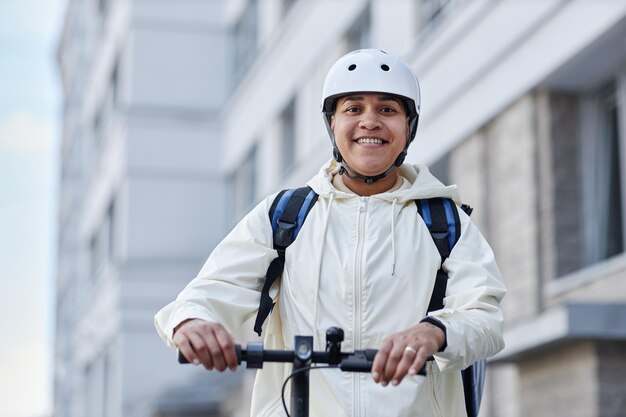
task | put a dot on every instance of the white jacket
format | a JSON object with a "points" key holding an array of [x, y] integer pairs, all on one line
{"points": [[367, 265]]}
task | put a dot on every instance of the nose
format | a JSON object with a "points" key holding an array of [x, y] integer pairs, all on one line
{"points": [[370, 120]]}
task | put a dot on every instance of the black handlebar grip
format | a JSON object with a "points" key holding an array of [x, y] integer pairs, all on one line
{"points": [[370, 354], [181, 358], [238, 353], [359, 361]]}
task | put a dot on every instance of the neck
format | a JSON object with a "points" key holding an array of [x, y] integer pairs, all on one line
{"points": [[361, 188]]}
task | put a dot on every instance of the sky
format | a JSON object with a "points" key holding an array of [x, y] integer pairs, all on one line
{"points": [[30, 97]]}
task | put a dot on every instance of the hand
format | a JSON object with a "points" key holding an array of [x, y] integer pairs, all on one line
{"points": [[406, 353], [206, 343]]}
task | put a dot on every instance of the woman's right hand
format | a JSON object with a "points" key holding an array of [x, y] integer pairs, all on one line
{"points": [[206, 343]]}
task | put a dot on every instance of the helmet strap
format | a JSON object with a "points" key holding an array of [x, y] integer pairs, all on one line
{"points": [[346, 169], [351, 173]]}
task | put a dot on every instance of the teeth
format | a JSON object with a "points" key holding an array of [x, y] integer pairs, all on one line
{"points": [[370, 140]]}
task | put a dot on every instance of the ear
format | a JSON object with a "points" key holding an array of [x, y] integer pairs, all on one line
{"points": [[332, 122]]}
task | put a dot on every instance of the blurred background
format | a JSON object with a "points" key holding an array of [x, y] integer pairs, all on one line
{"points": [[30, 132], [135, 133]]}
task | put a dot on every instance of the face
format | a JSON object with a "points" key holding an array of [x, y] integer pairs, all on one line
{"points": [[371, 130]]}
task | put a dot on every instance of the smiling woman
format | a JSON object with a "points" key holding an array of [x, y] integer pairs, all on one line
{"points": [[351, 80], [364, 261], [371, 132]]}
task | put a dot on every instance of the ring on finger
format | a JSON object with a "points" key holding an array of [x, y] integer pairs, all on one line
{"points": [[410, 349]]}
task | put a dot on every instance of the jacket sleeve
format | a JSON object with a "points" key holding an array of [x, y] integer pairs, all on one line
{"points": [[227, 289], [472, 313]]}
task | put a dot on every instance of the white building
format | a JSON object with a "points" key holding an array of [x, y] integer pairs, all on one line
{"points": [[180, 115]]}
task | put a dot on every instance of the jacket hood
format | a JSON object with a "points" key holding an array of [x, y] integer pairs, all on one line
{"points": [[417, 183]]}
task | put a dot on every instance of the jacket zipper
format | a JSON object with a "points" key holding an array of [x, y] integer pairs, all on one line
{"points": [[435, 396], [357, 298]]}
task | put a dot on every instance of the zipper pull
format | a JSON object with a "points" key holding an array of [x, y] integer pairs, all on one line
{"points": [[362, 204]]}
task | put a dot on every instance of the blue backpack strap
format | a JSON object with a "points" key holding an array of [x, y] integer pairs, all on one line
{"points": [[287, 214], [473, 384], [442, 219]]}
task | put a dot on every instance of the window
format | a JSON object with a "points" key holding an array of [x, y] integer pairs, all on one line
{"points": [[244, 183], [430, 13], [114, 87], [104, 117], [288, 135], [98, 129], [96, 258], [96, 376], [103, 5], [110, 222], [359, 35], [287, 6], [103, 9], [441, 169], [603, 187], [245, 39], [101, 245], [430, 10]]}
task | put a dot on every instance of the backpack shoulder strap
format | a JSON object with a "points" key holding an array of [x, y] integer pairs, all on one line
{"points": [[286, 215], [442, 219]]}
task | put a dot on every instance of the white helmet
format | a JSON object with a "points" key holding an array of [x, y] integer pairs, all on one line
{"points": [[371, 71], [374, 71]]}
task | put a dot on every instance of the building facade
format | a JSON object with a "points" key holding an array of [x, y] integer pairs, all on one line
{"points": [[180, 116]]}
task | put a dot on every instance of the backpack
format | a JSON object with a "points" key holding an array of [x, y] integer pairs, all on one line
{"points": [[287, 214]]}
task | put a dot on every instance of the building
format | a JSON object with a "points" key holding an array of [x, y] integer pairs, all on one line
{"points": [[179, 116]]}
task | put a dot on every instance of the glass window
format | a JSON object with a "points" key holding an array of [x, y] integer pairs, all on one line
{"points": [[602, 185], [110, 222], [441, 169], [101, 245], [95, 254], [244, 184], [288, 140], [287, 5], [430, 10], [359, 35], [245, 39], [431, 13]]}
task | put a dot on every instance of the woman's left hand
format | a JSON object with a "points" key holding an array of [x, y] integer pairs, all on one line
{"points": [[406, 352]]}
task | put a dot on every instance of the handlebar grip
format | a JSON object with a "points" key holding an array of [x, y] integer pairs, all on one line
{"points": [[238, 353], [181, 358], [360, 361]]}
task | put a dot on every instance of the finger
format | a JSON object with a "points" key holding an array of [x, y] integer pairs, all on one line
{"points": [[186, 350], [408, 356], [395, 356], [422, 356], [200, 349], [416, 366], [227, 345], [215, 351], [380, 361]]}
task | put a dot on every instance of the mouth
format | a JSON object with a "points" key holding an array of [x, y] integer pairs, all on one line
{"points": [[370, 141]]}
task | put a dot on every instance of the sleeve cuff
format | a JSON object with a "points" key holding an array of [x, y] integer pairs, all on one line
{"points": [[437, 323]]}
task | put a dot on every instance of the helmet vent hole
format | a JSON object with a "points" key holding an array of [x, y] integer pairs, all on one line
{"points": [[384, 67], [352, 67]]}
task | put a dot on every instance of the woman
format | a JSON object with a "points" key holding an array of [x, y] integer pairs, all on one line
{"points": [[363, 260]]}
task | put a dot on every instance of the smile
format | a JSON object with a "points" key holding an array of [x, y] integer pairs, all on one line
{"points": [[376, 141]]}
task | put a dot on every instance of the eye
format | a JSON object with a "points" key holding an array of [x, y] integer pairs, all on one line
{"points": [[388, 109], [353, 109]]}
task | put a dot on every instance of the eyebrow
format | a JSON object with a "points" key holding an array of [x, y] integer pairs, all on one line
{"points": [[380, 98]]}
